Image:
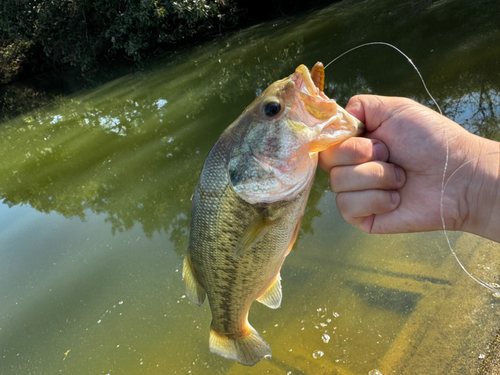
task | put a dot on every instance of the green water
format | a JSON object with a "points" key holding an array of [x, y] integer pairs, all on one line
{"points": [[96, 194]]}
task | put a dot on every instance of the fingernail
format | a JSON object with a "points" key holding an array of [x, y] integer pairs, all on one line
{"points": [[380, 152], [400, 174], [394, 197]]}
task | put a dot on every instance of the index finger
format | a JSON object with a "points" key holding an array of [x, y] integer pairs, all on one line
{"points": [[374, 110], [353, 151]]}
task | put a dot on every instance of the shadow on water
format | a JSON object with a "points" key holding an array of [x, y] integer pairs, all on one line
{"points": [[403, 303]]}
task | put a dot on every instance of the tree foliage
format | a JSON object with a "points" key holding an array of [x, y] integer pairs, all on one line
{"points": [[80, 33]]}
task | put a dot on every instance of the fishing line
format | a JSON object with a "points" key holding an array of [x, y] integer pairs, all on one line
{"points": [[495, 291], [444, 182], [402, 53]]}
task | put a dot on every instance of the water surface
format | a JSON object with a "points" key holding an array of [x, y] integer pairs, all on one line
{"points": [[95, 210]]}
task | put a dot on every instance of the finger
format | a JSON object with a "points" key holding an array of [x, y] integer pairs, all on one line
{"points": [[374, 110], [353, 151], [356, 206], [367, 176]]}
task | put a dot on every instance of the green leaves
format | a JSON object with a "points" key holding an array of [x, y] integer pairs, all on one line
{"points": [[81, 32]]}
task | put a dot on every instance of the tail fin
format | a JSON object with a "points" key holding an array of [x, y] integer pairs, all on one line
{"points": [[248, 349]]}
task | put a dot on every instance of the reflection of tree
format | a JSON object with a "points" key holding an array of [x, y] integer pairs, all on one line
{"points": [[258, 72], [472, 101], [133, 149], [128, 152], [478, 111], [112, 159]]}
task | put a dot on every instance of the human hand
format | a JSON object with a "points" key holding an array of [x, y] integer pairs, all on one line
{"points": [[391, 181]]}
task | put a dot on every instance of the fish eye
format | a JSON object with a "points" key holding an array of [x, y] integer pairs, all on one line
{"points": [[272, 109]]}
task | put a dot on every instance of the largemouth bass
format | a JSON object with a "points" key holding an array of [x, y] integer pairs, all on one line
{"points": [[249, 201]]}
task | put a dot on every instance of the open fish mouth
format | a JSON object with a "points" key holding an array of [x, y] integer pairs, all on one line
{"points": [[332, 121]]}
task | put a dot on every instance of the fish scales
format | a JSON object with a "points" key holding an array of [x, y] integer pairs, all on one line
{"points": [[215, 214], [249, 201]]}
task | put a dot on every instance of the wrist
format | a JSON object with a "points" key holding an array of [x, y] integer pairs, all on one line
{"points": [[481, 195]]}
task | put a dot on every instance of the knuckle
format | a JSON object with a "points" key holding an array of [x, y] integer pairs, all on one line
{"points": [[378, 173], [360, 149], [378, 202], [390, 201], [335, 184], [323, 162], [388, 176], [394, 178], [381, 202], [347, 208], [342, 204]]}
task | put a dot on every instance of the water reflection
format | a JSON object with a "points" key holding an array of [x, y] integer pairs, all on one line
{"points": [[131, 154], [133, 148], [477, 111]]}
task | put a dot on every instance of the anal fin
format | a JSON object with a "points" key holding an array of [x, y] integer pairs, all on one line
{"points": [[272, 296], [194, 290]]}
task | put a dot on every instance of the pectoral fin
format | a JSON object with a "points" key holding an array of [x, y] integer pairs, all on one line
{"points": [[253, 233], [272, 296], [194, 290]]}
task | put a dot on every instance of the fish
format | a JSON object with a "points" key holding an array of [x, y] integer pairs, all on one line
{"points": [[249, 202]]}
